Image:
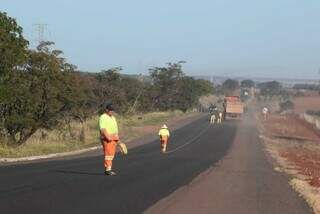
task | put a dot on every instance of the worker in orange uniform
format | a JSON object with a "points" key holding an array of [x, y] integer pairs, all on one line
{"points": [[164, 135], [109, 137]]}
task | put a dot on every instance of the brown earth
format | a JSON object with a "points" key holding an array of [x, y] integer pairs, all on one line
{"points": [[301, 147], [303, 104], [294, 146], [289, 127], [307, 162]]}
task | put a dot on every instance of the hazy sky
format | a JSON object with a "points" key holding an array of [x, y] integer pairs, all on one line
{"points": [[263, 38]]}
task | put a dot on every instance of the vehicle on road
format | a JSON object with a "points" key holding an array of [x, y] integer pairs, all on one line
{"points": [[233, 107]]}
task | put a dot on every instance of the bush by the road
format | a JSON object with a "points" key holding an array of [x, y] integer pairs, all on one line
{"points": [[313, 113], [286, 105], [68, 138], [40, 90]]}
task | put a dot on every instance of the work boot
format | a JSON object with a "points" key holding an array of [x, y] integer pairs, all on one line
{"points": [[109, 173]]}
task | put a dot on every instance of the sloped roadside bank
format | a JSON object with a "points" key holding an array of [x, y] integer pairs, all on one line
{"points": [[294, 149], [133, 135]]}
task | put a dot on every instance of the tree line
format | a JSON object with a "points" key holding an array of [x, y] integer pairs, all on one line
{"points": [[39, 89]]}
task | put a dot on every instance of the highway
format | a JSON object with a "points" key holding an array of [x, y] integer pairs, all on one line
{"points": [[145, 177]]}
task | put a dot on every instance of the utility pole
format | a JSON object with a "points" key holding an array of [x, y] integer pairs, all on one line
{"points": [[319, 76], [40, 29], [319, 81], [133, 108]]}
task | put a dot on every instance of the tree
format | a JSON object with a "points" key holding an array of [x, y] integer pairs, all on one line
{"points": [[204, 87], [13, 49], [134, 89], [165, 88], [111, 88], [13, 46], [286, 105], [229, 86], [40, 94], [171, 89], [247, 83], [270, 89], [312, 87], [83, 104]]}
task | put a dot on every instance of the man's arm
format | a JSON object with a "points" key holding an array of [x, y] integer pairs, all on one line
{"points": [[105, 134]]}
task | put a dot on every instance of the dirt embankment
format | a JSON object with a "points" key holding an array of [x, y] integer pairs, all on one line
{"points": [[305, 103], [295, 145]]}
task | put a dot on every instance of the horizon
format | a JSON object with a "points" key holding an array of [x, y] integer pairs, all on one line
{"points": [[223, 38]]}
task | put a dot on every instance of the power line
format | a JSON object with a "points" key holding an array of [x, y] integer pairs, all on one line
{"points": [[40, 29]]}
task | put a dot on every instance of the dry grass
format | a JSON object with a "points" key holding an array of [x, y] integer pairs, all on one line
{"points": [[298, 181], [70, 138], [301, 148], [311, 194]]}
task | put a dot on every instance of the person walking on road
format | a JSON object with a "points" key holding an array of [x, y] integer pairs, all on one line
{"points": [[212, 118], [220, 117], [109, 137], [164, 135], [265, 112]]}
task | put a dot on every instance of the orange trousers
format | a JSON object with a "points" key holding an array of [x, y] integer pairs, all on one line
{"points": [[164, 142], [109, 150]]}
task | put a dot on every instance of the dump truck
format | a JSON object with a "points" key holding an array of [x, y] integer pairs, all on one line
{"points": [[233, 107]]}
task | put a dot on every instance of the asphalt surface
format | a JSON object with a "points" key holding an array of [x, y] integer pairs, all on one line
{"points": [[235, 178], [242, 182], [144, 176]]}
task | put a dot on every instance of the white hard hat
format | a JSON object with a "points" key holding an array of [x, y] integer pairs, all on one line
{"points": [[164, 126]]}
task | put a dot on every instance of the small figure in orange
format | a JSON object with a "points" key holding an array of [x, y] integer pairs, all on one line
{"points": [[164, 135]]}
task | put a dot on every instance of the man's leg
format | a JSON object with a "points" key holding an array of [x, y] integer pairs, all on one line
{"points": [[109, 153], [164, 147], [164, 142]]}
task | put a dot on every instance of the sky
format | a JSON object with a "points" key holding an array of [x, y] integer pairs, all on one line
{"points": [[235, 38]]}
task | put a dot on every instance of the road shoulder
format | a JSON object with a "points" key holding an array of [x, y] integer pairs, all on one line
{"points": [[243, 182], [150, 135], [294, 150]]}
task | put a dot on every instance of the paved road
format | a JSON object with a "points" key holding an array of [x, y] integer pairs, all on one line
{"points": [[145, 176], [242, 182]]}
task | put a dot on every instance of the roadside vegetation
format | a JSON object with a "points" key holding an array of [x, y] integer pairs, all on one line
{"points": [[63, 140], [291, 140], [313, 113], [294, 147], [44, 98]]}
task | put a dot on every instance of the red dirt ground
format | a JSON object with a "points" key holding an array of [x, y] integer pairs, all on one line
{"points": [[291, 127], [302, 104], [307, 160]]}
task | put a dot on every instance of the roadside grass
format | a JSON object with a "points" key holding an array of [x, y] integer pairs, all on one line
{"points": [[303, 155], [310, 194], [71, 138]]}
